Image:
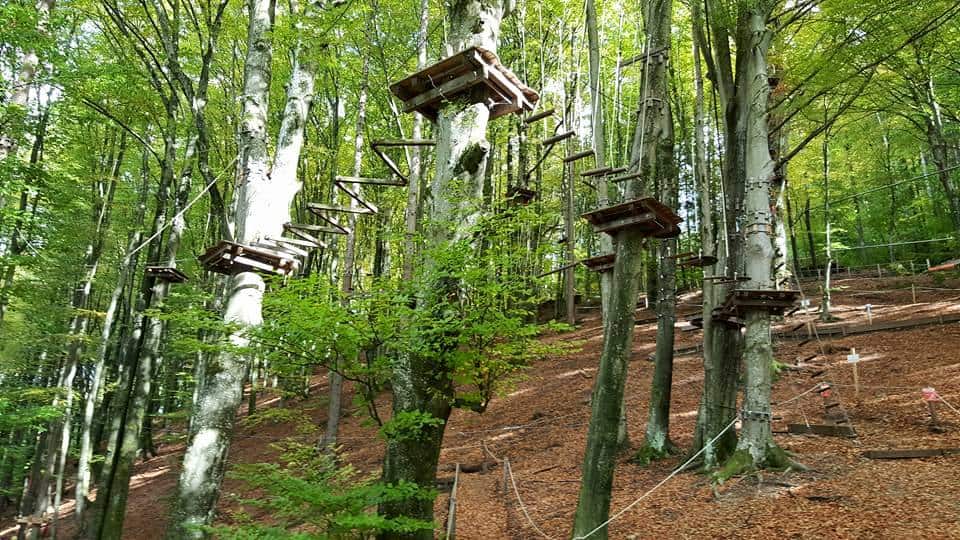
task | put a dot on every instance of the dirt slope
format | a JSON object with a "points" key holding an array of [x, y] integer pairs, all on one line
{"points": [[540, 426]]}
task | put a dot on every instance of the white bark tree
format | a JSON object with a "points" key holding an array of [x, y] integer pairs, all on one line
{"points": [[264, 196]]}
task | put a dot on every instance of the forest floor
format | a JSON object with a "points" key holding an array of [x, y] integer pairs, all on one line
{"points": [[540, 423]]}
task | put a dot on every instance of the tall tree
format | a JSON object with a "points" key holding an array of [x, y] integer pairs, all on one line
{"points": [[652, 158], [422, 384]]}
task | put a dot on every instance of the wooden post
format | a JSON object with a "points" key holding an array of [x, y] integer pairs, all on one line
{"points": [[452, 511], [913, 290], [869, 308], [879, 271], [931, 398], [911, 268], [854, 359]]}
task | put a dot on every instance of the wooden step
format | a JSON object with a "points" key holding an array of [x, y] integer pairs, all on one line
{"points": [[169, 274], [557, 138], [316, 208], [538, 116], [578, 156]]}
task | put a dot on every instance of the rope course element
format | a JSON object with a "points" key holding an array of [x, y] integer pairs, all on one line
{"points": [[184, 210], [363, 206], [523, 507], [947, 403], [675, 472]]}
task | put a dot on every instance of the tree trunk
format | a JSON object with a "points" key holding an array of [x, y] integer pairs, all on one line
{"points": [[722, 343], [419, 385], [756, 447], [412, 211], [263, 206], [653, 158], [349, 262], [29, 62]]}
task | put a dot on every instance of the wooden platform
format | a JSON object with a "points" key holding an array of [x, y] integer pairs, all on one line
{"points": [[600, 263], [165, 273], [475, 73], [647, 215], [727, 318], [233, 258], [521, 195], [776, 302]]}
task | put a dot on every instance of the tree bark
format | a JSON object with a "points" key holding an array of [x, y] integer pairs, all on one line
{"points": [[263, 206], [653, 158], [335, 404], [420, 384], [756, 448]]}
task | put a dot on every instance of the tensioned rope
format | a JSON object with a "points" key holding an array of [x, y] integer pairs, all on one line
{"points": [[523, 508], [184, 210], [662, 482]]}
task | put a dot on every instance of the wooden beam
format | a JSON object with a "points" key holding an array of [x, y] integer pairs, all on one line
{"points": [[910, 453], [538, 116], [557, 138], [821, 429], [451, 87], [578, 156]]}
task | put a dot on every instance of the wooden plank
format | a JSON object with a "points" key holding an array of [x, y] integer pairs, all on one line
{"points": [[821, 429], [452, 87], [293, 242], [578, 156], [320, 207], [910, 453], [538, 116], [557, 138], [596, 172], [309, 227], [626, 177], [624, 222]]}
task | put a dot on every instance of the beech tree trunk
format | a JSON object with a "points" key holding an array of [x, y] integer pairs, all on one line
{"points": [[452, 208], [756, 448], [722, 343], [653, 158], [412, 211], [263, 206], [334, 406]]}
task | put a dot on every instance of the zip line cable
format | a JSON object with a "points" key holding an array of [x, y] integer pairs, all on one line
{"points": [[888, 186]]}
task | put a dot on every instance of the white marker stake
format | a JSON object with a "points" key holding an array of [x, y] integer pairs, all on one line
{"points": [[869, 314], [854, 359]]}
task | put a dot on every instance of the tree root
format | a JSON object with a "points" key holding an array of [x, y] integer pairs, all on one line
{"points": [[741, 462], [649, 453]]}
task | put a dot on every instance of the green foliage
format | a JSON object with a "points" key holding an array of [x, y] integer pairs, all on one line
{"points": [[408, 425], [311, 497]]}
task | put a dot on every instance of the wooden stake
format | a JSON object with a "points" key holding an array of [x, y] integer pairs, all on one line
{"points": [[934, 419], [854, 359], [913, 289], [856, 380]]}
